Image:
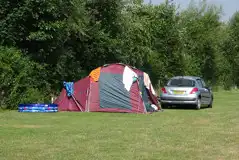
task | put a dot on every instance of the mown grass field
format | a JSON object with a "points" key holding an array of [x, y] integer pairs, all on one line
{"points": [[173, 134]]}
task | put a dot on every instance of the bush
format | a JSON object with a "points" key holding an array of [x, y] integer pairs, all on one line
{"points": [[34, 95], [22, 80]]}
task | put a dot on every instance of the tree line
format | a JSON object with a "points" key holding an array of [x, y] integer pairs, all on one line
{"points": [[46, 42]]}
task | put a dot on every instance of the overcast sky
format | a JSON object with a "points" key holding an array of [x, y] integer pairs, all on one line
{"points": [[229, 6]]}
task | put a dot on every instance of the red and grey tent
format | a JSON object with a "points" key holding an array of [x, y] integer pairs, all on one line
{"points": [[110, 88]]}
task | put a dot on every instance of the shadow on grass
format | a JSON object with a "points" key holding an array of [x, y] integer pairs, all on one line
{"points": [[183, 107]]}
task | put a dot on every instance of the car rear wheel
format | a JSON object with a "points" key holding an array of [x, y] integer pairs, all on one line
{"points": [[210, 105], [164, 106], [198, 105]]}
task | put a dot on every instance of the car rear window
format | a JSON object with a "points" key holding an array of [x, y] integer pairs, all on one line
{"points": [[181, 82]]}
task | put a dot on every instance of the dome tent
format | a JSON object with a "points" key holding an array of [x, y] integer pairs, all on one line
{"points": [[110, 88]]}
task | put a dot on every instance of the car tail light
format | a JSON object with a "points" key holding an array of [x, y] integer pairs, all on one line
{"points": [[164, 90], [194, 90]]}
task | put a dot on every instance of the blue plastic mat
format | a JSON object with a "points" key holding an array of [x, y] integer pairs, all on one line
{"points": [[38, 108]]}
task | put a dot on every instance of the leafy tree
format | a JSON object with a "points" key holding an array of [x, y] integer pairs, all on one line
{"points": [[46, 42], [199, 26], [231, 49], [19, 76]]}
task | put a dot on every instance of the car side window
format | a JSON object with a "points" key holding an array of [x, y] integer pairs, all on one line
{"points": [[199, 83]]}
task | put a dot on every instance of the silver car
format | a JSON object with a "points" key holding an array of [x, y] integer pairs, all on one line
{"points": [[186, 90]]}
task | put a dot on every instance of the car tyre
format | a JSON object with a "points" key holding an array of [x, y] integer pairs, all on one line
{"points": [[210, 105], [198, 105], [164, 106]]}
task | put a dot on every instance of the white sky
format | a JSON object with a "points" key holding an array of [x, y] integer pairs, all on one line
{"points": [[229, 6]]}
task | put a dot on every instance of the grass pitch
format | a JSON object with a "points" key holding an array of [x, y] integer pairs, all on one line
{"points": [[175, 134]]}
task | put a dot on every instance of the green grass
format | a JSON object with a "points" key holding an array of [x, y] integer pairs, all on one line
{"points": [[174, 134]]}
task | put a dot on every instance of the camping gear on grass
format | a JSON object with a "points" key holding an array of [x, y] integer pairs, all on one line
{"points": [[111, 88], [38, 108]]}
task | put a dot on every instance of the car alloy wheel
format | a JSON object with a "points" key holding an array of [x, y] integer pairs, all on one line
{"points": [[198, 105], [210, 105]]}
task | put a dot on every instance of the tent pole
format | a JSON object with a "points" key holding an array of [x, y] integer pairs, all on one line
{"points": [[87, 107], [77, 103]]}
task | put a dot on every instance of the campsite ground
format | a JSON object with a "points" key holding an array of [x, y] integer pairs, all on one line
{"points": [[173, 134]]}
